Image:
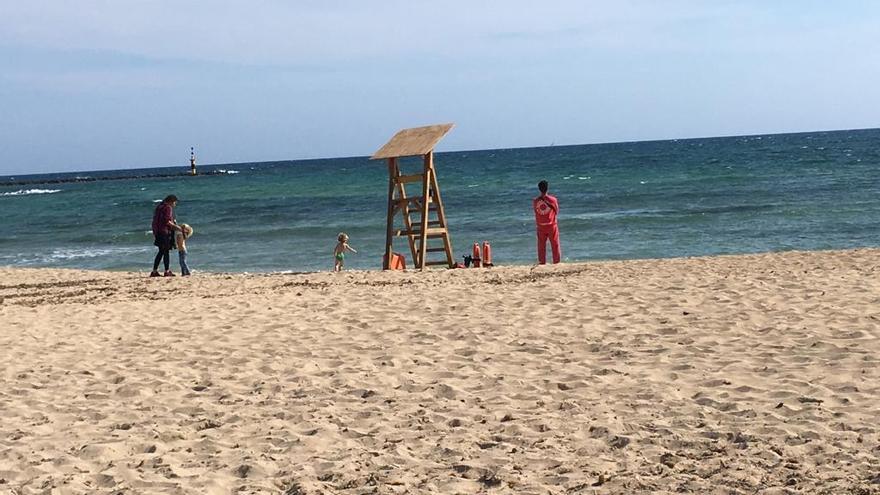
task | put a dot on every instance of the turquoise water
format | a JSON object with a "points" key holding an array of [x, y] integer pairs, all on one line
{"points": [[654, 199]]}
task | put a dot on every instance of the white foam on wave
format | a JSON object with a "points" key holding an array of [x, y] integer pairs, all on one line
{"points": [[62, 255], [72, 254], [27, 192], [639, 212], [228, 172]]}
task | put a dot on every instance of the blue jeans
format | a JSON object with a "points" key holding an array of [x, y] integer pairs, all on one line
{"points": [[184, 269]]}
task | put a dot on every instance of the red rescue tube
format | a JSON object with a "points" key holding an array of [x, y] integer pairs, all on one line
{"points": [[487, 254], [476, 255]]}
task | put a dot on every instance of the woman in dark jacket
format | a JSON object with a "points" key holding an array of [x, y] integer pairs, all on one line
{"points": [[164, 226]]}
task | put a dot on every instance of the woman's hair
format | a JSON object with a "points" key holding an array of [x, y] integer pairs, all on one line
{"points": [[170, 199], [342, 237]]}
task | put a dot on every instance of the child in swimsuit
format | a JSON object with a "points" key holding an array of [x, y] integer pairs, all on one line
{"points": [[339, 251]]}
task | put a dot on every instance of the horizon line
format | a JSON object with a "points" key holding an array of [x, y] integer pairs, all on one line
{"points": [[552, 145]]}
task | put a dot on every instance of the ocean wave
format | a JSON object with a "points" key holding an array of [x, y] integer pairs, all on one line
{"points": [[228, 172], [638, 212], [657, 213], [27, 192], [70, 254], [66, 254]]}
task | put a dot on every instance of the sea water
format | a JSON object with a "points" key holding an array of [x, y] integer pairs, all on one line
{"points": [[657, 199]]}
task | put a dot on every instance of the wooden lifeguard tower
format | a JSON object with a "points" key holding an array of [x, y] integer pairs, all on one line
{"points": [[419, 225]]}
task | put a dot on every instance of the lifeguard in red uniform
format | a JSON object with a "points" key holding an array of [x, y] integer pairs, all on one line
{"points": [[546, 208]]}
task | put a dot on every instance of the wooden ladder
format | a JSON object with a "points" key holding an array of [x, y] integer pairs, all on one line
{"points": [[424, 220]]}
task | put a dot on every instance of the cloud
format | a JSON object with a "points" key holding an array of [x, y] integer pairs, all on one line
{"points": [[93, 81], [278, 32]]}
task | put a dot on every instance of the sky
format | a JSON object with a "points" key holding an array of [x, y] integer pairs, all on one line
{"points": [[110, 84]]}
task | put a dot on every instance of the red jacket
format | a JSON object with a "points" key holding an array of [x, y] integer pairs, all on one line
{"points": [[163, 215], [546, 208]]}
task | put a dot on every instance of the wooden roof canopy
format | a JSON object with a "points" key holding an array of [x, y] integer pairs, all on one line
{"points": [[415, 141]]}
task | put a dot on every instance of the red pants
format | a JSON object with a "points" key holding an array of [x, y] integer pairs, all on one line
{"points": [[548, 233]]}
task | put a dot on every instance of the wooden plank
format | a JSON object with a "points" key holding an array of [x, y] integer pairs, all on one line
{"points": [[426, 183], [437, 263], [436, 232], [441, 214], [406, 179], [437, 250], [432, 233], [414, 141], [401, 192], [392, 166]]}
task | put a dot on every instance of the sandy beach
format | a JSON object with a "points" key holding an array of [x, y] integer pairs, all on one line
{"points": [[735, 374]]}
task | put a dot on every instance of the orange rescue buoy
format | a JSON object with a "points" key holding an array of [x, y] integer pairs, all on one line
{"points": [[487, 254], [476, 255]]}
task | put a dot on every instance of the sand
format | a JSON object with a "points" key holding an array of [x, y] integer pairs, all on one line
{"points": [[739, 374]]}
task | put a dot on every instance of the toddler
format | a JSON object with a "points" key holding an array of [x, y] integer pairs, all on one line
{"points": [[181, 236], [339, 251]]}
